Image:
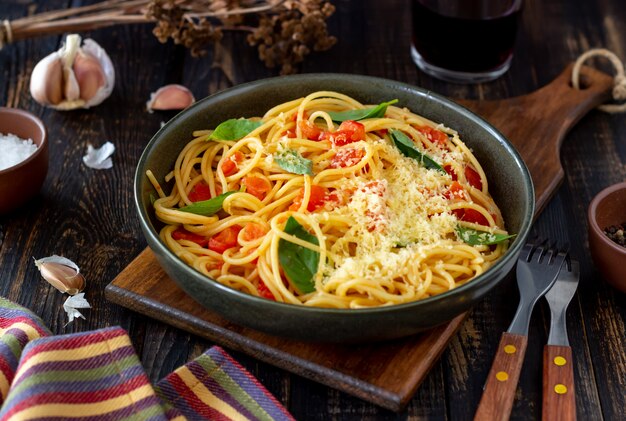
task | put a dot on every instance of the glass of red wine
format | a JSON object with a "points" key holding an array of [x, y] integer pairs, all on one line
{"points": [[464, 41]]}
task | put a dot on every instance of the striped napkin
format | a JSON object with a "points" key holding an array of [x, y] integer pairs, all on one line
{"points": [[97, 376]]}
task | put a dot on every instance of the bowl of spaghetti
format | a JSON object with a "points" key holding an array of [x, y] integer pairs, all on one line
{"points": [[334, 208]]}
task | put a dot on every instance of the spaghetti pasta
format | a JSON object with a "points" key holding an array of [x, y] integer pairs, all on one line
{"points": [[328, 202]]}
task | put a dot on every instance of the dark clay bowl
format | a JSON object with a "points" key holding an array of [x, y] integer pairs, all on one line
{"points": [[23, 181], [509, 182], [606, 209]]}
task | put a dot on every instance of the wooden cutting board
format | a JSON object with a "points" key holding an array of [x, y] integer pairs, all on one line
{"points": [[387, 373]]}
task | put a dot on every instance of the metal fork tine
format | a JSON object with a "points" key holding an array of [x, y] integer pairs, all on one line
{"points": [[535, 277], [548, 255], [539, 252], [526, 252], [559, 257]]}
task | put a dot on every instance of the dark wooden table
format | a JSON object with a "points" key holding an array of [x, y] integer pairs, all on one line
{"points": [[89, 215]]}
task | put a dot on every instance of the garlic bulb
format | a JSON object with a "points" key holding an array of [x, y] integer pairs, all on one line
{"points": [[74, 76], [170, 97]]}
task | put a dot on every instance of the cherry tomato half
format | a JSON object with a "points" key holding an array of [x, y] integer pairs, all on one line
{"points": [[316, 201], [473, 178], [348, 132], [201, 191], [346, 158], [229, 165], [224, 239], [251, 231], [257, 186], [183, 234], [437, 137]]}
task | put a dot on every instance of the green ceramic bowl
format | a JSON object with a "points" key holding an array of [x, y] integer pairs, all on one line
{"points": [[509, 182]]}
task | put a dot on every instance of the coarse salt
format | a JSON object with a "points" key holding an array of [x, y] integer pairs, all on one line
{"points": [[14, 150]]}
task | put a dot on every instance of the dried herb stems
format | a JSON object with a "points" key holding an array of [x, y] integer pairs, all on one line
{"points": [[284, 31]]}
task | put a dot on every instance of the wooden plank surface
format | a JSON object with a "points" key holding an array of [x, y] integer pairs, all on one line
{"points": [[386, 374], [88, 215]]}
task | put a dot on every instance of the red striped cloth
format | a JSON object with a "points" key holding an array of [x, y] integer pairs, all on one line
{"points": [[97, 376]]}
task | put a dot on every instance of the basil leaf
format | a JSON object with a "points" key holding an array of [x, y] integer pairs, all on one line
{"points": [[371, 112], [477, 238], [152, 199], [407, 147], [299, 263], [207, 207], [291, 161], [234, 129]]}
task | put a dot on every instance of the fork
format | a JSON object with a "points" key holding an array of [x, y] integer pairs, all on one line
{"points": [[537, 270], [559, 398]]}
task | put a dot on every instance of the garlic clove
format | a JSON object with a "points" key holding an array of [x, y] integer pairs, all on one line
{"points": [[63, 278], [71, 90], [61, 273], [170, 97], [68, 54], [87, 76], [93, 50], [46, 82]]}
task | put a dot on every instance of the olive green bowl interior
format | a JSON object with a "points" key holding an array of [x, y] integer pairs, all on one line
{"points": [[509, 183]]}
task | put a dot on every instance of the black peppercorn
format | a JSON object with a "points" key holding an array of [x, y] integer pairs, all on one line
{"points": [[617, 233]]}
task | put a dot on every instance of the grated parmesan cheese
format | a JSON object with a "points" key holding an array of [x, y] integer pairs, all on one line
{"points": [[395, 220]]}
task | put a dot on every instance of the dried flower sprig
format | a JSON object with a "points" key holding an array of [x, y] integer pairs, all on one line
{"points": [[287, 37], [284, 31]]}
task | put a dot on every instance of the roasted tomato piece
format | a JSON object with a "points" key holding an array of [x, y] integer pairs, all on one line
{"points": [[291, 134], [310, 130], [450, 170], [201, 191], [335, 198], [455, 191], [348, 132], [316, 201], [346, 157], [230, 164], [473, 178], [183, 234], [437, 137], [264, 291], [224, 239], [471, 215], [251, 231], [257, 186]]}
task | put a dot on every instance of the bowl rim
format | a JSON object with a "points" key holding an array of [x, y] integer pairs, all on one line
{"points": [[592, 214], [514, 249], [40, 147]]}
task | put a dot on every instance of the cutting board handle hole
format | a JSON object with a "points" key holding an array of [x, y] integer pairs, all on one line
{"points": [[584, 83]]}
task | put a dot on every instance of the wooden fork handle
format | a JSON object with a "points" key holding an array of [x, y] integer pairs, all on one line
{"points": [[559, 398], [497, 399]]}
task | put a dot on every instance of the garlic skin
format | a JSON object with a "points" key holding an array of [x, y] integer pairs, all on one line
{"points": [[170, 97], [72, 304], [74, 76], [61, 273]]}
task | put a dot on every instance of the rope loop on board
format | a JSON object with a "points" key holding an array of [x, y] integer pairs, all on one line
{"points": [[6, 33], [619, 81]]}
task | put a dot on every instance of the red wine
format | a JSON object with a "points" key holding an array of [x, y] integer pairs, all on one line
{"points": [[469, 37]]}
